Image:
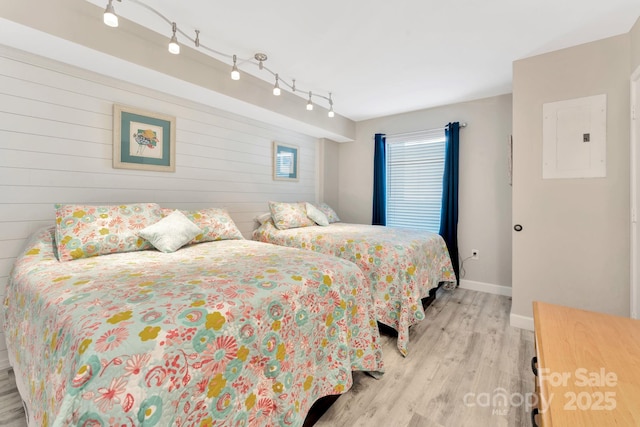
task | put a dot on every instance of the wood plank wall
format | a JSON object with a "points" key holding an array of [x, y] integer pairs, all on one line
{"points": [[56, 147]]}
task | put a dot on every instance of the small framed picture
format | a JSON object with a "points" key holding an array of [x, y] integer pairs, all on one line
{"points": [[285, 162], [143, 140]]}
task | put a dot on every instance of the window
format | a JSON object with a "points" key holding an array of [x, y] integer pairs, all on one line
{"points": [[415, 169]]}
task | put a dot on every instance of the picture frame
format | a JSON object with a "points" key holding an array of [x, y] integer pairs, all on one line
{"points": [[286, 163], [143, 140]]}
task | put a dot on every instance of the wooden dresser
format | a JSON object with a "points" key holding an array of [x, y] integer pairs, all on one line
{"points": [[588, 368]]}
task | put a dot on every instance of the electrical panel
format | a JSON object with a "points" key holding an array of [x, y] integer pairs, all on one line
{"points": [[574, 138]]}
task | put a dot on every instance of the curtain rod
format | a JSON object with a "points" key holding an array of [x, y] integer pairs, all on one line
{"points": [[462, 125]]}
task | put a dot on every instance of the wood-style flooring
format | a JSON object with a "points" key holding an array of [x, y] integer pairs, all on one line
{"points": [[11, 412], [466, 367], [462, 359]]}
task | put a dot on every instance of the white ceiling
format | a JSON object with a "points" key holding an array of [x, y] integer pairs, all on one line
{"points": [[381, 57]]}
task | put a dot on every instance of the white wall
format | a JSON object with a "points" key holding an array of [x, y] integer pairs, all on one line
{"points": [[56, 147], [635, 45], [484, 193], [331, 174], [574, 248]]}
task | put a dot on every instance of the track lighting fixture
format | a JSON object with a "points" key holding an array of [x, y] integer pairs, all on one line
{"points": [[276, 87], [235, 74], [174, 47], [309, 103], [260, 57], [111, 19]]}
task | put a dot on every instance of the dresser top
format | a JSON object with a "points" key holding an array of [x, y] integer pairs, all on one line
{"points": [[589, 366]]}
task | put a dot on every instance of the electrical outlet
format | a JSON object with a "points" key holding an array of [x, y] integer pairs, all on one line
{"points": [[475, 254]]}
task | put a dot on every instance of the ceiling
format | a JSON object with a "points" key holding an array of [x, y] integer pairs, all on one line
{"points": [[379, 57]]}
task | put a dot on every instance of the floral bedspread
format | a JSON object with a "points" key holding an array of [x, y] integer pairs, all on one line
{"points": [[402, 265], [234, 332]]}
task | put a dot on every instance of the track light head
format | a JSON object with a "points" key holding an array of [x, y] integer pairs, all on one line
{"points": [[174, 47], [330, 113], [309, 103], [235, 74], [110, 18], [276, 87]]}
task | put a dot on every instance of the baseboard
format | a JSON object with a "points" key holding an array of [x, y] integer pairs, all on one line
{"points": [[521, 322], [515, 320], [488, 288], [4, 360]]}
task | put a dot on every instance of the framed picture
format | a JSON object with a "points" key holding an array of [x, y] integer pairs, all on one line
{"points": [[285, 162], [143, 140]]}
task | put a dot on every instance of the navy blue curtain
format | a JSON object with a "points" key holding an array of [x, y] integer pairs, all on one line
{"points": [[449, 211], [379, 182]]}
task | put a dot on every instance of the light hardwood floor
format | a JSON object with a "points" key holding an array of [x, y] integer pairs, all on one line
{"points": [[461, 357], [11, 412]]}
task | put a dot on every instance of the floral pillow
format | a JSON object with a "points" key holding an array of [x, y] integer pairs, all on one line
{"points": [[263, 217], [84, 231], [215, 223], [289, 215], [330, 213]]}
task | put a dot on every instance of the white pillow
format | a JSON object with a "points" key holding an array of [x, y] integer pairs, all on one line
{"points": [[171, 232], [316, 215]]}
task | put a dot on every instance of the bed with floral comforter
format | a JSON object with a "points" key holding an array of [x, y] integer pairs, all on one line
{"points": [[402, 265], [233, 332]]}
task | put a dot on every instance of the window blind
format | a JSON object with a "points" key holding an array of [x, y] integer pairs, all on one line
{"points": [[415, 168]]}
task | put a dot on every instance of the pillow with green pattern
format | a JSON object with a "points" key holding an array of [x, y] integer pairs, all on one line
{"points": [[289, 215], [84, 231]]}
